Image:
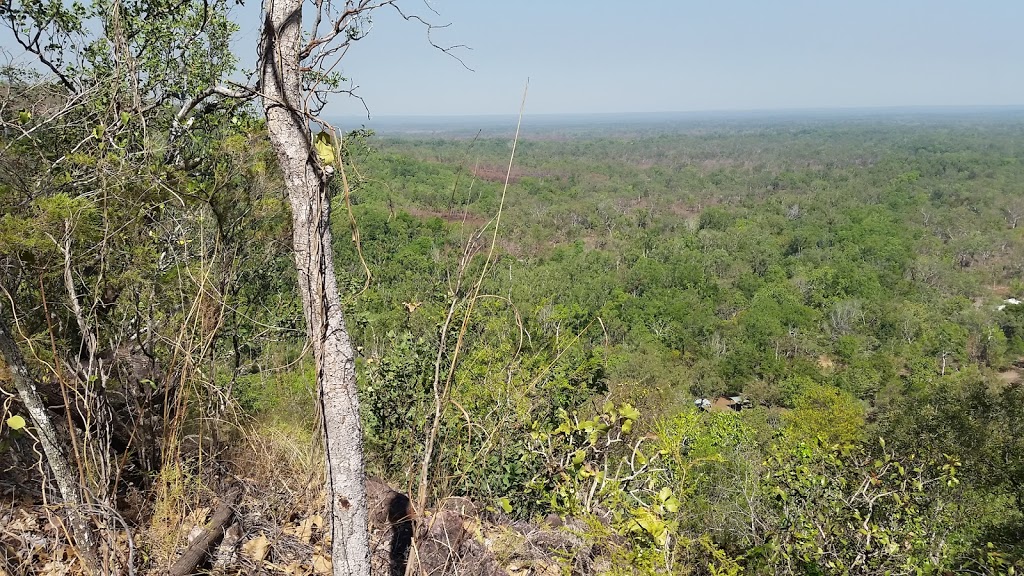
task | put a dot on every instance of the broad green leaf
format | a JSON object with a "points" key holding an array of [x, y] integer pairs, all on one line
{"points": [[628, 411]]}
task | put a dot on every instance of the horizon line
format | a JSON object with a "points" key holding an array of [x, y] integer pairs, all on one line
{"points": [[879, 108]]}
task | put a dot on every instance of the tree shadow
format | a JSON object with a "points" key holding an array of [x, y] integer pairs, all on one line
{"points": [[401, 533]]}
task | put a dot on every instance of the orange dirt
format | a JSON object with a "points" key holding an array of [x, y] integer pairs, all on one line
{"points": [[1010, 376], [452, 217]]}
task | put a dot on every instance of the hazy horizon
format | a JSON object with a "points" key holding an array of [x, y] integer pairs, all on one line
{"points": [[666, 56], [927, 108], [541, 124], [662, 55]]}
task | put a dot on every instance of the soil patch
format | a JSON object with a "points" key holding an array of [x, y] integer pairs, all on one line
{"points": [[1010, 376], [450, 216]]}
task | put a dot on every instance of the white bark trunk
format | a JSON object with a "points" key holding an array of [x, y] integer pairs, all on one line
{"points": [[56, 458], [307, 190]]}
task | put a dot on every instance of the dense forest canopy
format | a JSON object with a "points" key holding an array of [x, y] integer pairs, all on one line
{"points": [[851, 281]]}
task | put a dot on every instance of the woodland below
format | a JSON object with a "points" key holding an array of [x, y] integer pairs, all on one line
{"points": [[853, 280]]}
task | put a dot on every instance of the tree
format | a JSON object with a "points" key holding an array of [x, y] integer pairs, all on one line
{"points": [[1013, 211], [841, 509], [294, 76], [139, 87], [56, 456], [307, 181]]}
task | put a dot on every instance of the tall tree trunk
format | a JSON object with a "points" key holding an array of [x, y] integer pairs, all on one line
{"points": [[307, 186], [56, 458]]}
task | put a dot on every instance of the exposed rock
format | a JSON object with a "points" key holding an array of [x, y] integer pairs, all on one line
{"points": [[444, 542], [439, 541], [463, 506], [391, 518], [553, 520]]}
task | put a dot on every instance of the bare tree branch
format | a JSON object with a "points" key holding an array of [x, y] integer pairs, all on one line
{"points": [[238, 93], [449, 50]]}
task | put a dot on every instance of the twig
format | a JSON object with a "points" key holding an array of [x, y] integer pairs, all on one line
{"points": [[428, 451]]}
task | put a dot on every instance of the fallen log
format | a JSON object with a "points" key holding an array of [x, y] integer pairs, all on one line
{"points": [[200, 547]]}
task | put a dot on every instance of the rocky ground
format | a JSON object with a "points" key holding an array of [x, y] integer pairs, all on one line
{"points": [[269, 521]]}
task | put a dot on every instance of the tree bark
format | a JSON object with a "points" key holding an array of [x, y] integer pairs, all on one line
{"points": [[56, 458], [306, 183]]}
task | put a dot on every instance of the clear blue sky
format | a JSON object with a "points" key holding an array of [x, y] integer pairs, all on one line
{"points": [[675, 55], [588, 56]]}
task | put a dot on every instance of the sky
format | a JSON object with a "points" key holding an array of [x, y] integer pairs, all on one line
{"points": [[600, 56], [595, 56]]}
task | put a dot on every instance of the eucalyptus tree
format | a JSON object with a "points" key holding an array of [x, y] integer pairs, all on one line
{"points": [[298, 59], [293, 73]]}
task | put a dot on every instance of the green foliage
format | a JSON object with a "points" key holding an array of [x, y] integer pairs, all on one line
{"points": [[288, 396], [843, 511], [840, 276], [126, 212], [1011, 322], [394, 393], [844, 278], [827, 414], [601, 463]]}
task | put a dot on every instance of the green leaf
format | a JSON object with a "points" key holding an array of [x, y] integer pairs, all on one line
{"points": [[655, 527], [628, 411], [505, 505], [24, 116], [16, 422]]}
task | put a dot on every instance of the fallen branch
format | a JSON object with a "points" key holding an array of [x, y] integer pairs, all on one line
{"points": [[201, 546]]}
